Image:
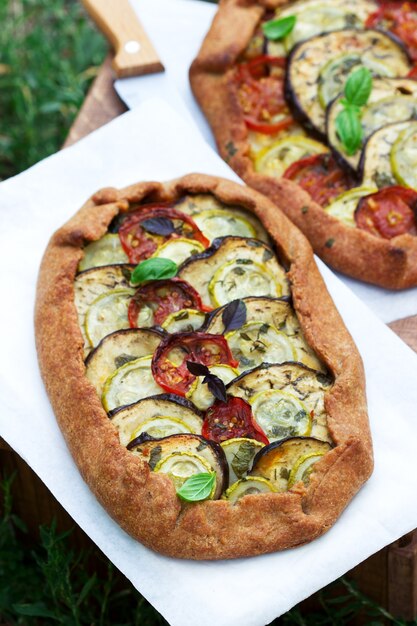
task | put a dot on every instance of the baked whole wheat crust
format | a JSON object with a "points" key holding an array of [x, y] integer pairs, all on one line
{"points": [[388, 263], [145, 503]]}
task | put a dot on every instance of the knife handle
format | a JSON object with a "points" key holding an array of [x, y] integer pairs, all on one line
{"points": [[134, 52]]}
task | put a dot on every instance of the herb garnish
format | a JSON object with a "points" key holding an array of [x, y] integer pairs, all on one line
{"points": [[197, 487], [158, 226], [234, 315], [213, 382], [153, 269], [348, 121], [278, 29]]}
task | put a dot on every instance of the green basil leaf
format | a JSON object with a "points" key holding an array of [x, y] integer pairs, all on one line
{"points": [[197, 487], [349, 129], [153, 269], [358, 87], [278, 29]]}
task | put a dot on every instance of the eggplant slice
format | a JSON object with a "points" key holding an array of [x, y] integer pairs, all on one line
{"points": [[392, 100], [117, 349], [181, 456], [318, 69], [131, 421], [231, 267], [300, 382]]}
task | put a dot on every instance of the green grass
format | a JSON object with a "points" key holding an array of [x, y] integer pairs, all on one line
{"points": [[49, 53]]}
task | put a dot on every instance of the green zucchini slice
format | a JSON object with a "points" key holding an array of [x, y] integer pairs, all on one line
{"points": [[129, 383], [251, 485], [276, 461], [392, 100], [343, 207], [178, 250], [258, 342], [324, 62], [200, 394], [240, 453], [278, 313], [236, 279], [94, 282], [180, 456], [117, 349], [215, 219], [136, 418], [280, 414], [307, 385], [320, 16], [106, 314], [303, 467], [377, 163], [184, 321], [105, 251], [273, 160], [229, 256], [404, 157]]}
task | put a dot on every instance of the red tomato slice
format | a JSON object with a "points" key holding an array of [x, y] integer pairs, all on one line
{"points": [[320, 176], [169, 363], [139, 244], [231, 419], [164, 297], [260, 89], [401, 19], [389, 212]]}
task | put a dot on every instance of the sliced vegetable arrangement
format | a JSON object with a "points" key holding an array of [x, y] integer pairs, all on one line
{"points": [[328, 94], [196, 351]]}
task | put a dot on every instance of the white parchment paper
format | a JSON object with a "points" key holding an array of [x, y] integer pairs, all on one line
{"points": [[177, 28], [152, 142]]}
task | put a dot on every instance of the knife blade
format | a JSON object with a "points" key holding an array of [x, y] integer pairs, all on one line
{"points": [[177, 28]]}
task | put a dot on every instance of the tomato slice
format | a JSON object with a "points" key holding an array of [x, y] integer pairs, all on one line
{"points": [[161, 298], [401, 19], [229, 420], [169, 363], [260, 90], [389, 212], [320, 176], [139, 243]]}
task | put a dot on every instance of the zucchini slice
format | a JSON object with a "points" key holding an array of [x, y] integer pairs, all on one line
{"points": [[178, 250], [92, 283], [325, 62], [105, 251], [392, 100], [240, 453], [184, 321], [215, 219], [129, 383], [181, 456], [404, 157], [277, 461], [320, 16], [305, 384], [343, 207], [377, 165], [200, 394], [280, 414], [275, 159], [257, 342], [117, 349], [235, 267], [248, 486], [107, 313], [278, 313], [133, 420]]}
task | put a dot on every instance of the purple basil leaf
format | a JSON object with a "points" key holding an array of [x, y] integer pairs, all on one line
{"points": [[234, 315], [158, 226], [217, 387], [198, 369]]}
